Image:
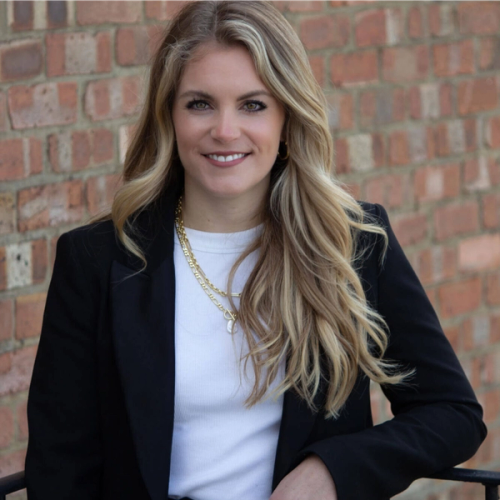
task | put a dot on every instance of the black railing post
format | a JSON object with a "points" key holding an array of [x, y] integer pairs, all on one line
{"points": [[491, 492]]}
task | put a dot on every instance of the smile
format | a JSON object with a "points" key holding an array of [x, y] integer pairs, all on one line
{"points": [[226, 158]]}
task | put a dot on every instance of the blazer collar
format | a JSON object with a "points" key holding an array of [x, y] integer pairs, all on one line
{"points": [[143, 322]]}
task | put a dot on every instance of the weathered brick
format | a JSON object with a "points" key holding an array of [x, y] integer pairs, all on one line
{"points": [[430, 100], [479, 253], [6, 427], [100, 192], [6, 319], [38, 260], [441, 19], [453, 335], [388, 190], [7, 213], [22, 18], [370, 27], [479, 18], [3, 268], [479, 173], [399, 153], [459, 298], [57, 14], [113, 98], [20, 59], [437, 183], [29, 314], [80, 149], [164, 10], [493, 289], [493, 132], [456, 219], [405, 64], [43, 105], [136, 45], [305, 6], [434, 265], [16, 368], [361, 152], [13, 461], [353, 68], [410, 228], [341, 157], [416, 22], [491, 210], [476, 332], [381, 107], [421, 145], [18, 268], [126, 133], [477, 95], [78, 53], [22, 420], [489, 53], [50, 205], [97, 12], [3, 112], [324, 31], [455, 137], [20, 158], [340, 111], [318, 68], [452, 59]]}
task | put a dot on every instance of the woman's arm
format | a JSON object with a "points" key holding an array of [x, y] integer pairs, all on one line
{"points": [[438, 421], [64, 449]]}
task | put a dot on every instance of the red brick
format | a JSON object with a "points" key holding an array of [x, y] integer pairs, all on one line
{"points": [[39, 260], [3, 270], [489, 53], [453, 335], [78, 53], [112, 98], [100, 192], [479, 253], [7, 213], [437, 183], [460, 297], [398, 148], [165, 10], [441, 19], [29, 314], [6, 319], [481, 173], [452, 59], [353, 189], [380, 107], [370, 27], [318, 68], [134, 45], [410, 228], [454, 220], [493, 289], [22, 16], [50, 205], [125, 136], [421, 144], [435, 264], [22, 420], [491, 405], [13, 461], [43, 105], [415, 22], [6, 427], [341, 157], [3, 112], [98, 12], [455, 137], [57, 14], [378, 150], [491, 210], [493, 132], [20, 158], [479, 18], [324, 31], [20, 59], [476, 332], [15, 369], [405, 64], [80, 149], [102, 146], [388, 190], [305, 6], [352, 68], [341, 111], [446, 99], [477, 95]]}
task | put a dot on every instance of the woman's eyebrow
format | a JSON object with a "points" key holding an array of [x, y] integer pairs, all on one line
{"points": [[200, 93]]}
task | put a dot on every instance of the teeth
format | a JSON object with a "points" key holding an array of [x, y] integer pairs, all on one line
{"points": [[226, 158]]}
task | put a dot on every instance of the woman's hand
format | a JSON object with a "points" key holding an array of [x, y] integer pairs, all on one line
{"points": [[310, 480]]}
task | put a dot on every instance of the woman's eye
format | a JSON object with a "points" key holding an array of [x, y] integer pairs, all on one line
{"points": [[251, 106]]}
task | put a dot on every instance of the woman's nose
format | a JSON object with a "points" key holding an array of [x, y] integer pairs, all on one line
{"points": [[226, 127]]}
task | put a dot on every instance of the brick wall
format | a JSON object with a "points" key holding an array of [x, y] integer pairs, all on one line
{"points": [[414, 108]]}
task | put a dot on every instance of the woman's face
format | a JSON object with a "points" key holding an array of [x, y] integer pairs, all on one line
{"points": [[223, 111]]}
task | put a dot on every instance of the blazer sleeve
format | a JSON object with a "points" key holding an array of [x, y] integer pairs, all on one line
{"points": [[64, 448], [437, 420]]}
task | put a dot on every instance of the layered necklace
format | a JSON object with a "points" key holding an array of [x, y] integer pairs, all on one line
{"points": [[209, 288]]}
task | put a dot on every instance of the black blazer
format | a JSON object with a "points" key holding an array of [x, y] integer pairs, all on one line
{"points": [[100, 406]]}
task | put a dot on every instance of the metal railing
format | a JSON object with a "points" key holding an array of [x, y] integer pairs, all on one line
{"points": [[490, 481]]}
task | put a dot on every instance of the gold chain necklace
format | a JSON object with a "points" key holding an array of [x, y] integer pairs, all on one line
{"points": [[230, 316]]}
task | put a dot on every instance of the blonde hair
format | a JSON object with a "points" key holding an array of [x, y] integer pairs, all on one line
{"points": [[303, 300]]}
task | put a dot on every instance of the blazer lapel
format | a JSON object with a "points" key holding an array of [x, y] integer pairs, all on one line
{"points": [[143, 309]]}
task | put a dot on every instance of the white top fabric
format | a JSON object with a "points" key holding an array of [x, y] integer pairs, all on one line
{"points": [[220, 449]]}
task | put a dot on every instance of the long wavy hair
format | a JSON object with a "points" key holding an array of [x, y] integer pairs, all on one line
{"points": [[303, 301]]}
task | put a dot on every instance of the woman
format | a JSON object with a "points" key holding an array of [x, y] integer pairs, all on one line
{"points": [[221, 345]]}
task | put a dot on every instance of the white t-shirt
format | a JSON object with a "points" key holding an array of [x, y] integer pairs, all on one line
{"points": [[220, 449]]}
